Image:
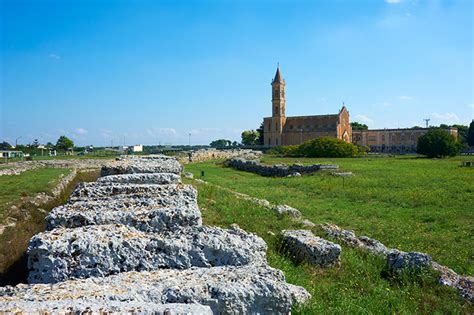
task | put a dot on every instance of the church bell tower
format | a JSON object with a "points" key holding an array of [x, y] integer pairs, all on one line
{"points": [[278, 95]]}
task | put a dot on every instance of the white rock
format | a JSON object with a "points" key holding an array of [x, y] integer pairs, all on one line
{"points": [[315, 250], [146, 178], [292, 212], [148, 215], [82, 306], [156, 164], [89, 191], [248, 289], [101, 250]]}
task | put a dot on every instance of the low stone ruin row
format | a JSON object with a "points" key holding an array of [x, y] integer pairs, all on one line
{"points": [[133, 241], [279, 170]]}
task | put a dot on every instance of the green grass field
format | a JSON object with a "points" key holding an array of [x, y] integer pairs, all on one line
{"points": [[409, 203], [28, 184]]}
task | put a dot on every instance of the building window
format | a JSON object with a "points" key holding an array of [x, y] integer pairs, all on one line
{"points": [[276, 141], [412, 137], [291, 126], [383, 137], [276, 110], [269, 141], [276, 126]]}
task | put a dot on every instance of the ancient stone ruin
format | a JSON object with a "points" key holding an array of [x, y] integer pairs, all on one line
{"points": [[278, 170], [134, 242]]}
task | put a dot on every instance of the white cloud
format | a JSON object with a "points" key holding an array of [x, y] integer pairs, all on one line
{"points": [[406, 98], [80, 131], [393, 1], [156, 132], [471, 105], [364, 118], [446, 117], [105, 133], [54, 56]]}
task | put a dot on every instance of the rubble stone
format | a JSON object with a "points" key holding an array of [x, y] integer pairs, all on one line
{"points": [[284, 209], [98, 251], [315, 250]]}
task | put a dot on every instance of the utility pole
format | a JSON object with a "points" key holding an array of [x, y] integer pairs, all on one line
{"points": [[189, 142], [427, 120], [16, 141]]}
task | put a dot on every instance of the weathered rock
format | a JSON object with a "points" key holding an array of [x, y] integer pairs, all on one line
{"points": [[189, 175], [464, 284], [146, 178], [248, 289], [279, 170], [101, 250], [89, 191], [400, 261], [148, 215], [85, 306], [308, 223], [150, 164], [315, 250], [349, 238], [284, 209]]}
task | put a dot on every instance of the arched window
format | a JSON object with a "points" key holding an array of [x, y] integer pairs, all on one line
{"points": [[276, 141]]}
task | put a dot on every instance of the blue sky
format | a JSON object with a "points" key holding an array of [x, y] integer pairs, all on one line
{"points": [[154, 71]]}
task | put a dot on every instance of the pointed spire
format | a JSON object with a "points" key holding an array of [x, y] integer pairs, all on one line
{"points": [[278, 76]]}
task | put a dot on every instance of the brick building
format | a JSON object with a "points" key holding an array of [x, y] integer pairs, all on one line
{"points": [[282, 130]]}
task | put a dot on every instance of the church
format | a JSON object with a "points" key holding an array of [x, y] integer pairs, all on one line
{"points": [[282, 130]]}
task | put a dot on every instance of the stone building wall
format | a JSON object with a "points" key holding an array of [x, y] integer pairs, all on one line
{"points": [[397, 141]]}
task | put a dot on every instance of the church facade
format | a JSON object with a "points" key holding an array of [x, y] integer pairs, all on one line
{"points": [[280, 130]]}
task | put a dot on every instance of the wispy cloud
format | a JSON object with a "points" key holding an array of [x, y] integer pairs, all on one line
{"points": [[393, 1], [446, 117], [80, 131], [54, 56], [470, 105], [406, 98], [364, 118]]}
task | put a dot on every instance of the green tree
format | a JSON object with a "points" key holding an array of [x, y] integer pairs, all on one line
{"points": [[221, 143], [64, 143], [5, 146], [437, 143], [470, 134], [249, 137], [260, 135], [358, 126], [462, 133]]}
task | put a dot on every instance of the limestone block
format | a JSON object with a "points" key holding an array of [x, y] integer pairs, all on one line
{"points": [[148, 215], [101, 250], [146, 178], [89, 191], [315, 250], [248, 289], [284, 209], [400, 261], [152, 164]]}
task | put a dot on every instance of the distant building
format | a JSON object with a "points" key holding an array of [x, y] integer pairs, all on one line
{"points": [[396, 141], [282, 130], [137, 148], [8, 154]]}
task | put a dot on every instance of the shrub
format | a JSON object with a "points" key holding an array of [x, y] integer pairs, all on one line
{"points": [[327, 147], [437, 143], [290, 150]]}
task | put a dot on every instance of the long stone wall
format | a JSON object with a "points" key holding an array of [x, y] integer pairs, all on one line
{"points": [[214, 154], [134, 242], [279, 170]]}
